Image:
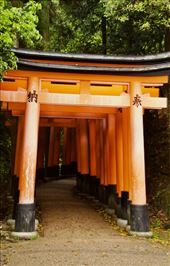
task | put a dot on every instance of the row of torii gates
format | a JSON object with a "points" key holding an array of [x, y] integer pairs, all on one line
{"points": [[100, 102]]}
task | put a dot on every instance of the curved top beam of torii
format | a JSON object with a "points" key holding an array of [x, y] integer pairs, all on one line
{"points": [[94, 64], [148, 59]]}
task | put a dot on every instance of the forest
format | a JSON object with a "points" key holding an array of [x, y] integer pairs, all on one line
{"points": [[110, 27]]}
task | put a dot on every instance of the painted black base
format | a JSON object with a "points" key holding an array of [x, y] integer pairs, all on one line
{"points": [[78, 179], [92, 183], [124, 204], [111, 197], [139, 219], [128, 210], [102, 193], [52, 171], [83, 183], [118, 211], [74, 168], [68, 169], [96, 190], [25, 218]]}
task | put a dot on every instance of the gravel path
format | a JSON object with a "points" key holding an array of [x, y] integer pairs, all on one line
{"points": [[75, 234]]}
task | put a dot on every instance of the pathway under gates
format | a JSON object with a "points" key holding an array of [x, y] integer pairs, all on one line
{"points": [[85, 111], [75, 234]]}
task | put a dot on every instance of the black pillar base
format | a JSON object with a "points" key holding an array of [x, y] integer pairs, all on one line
{"points": [[118, 206], [74, 168], [53, 171], [92, 181], [96, 190], [25, 218], [124, 204], [102, 193], [84, 183], [112, 197], [128, 210], [78, 180], [139, 219]]}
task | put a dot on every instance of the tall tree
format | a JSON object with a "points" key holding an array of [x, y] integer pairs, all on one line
{"points": [[16, 22]]}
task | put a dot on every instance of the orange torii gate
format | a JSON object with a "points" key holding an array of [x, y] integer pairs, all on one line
{"points": [[103, 99]]}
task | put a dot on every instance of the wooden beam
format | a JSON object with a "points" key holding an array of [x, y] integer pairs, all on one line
{"points": [[154, 102], [92, 77], [73, 101]]}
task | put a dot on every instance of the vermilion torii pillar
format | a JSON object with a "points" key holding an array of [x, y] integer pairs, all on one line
{"points": [[84, 155], [139, 214], [112, 155], [92, 147], [25, 216], [119, 159]]}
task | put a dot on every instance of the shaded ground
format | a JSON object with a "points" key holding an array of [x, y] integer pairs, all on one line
{"points": [[75, 234]]}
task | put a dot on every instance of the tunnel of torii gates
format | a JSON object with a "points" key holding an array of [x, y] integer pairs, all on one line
{"points": [[99, 102]]}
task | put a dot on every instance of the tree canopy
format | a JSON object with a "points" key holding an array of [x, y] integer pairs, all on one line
{"points": [[98, 26], [16, 22]]}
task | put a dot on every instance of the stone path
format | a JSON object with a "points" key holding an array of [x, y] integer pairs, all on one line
{"points": [[75, 234]]}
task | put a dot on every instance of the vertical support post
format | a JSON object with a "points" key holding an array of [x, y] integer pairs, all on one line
{"points": [[84, 158], [78, 147], [102, 160], [51, 152], [56, 153], [112, 156], [18, 160], [139, 212], [41, 153], [25, 216], [92, 146], [98, 159], [119, 159], [125, 192], [73, 152]]}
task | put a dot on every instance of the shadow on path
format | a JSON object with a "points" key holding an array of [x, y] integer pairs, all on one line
{"points": [[75, 234]]}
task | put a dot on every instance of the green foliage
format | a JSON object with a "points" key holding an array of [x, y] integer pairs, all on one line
{"points": [[75, 26], [16, 23], [5, 148], [137, 27]]}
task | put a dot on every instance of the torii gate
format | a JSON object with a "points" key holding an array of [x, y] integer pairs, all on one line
{"points": [[106, 95]]}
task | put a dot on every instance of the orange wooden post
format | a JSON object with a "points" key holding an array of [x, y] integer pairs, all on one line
{"points": [[25, 216], [51, 147], [41, 153], [84, 158], [68, 147], [119, 157], [98, 159], [73, 152], [125, 192], [92, 146], [102, 160], [17, 163], [107, 169], [112, 156], [139, 213], [56, 153], [129, 154], [50, 169], [78, 147], [64, 145]]}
